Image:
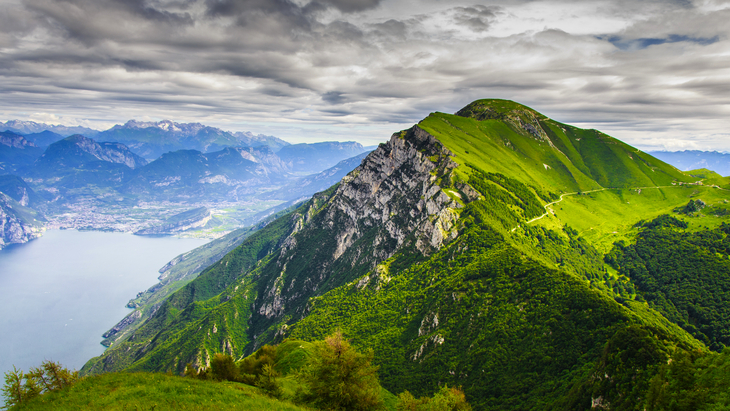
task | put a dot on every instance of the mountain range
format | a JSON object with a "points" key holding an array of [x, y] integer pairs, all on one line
{"points": [[86, 175], [31, 127], [535, 264], [152, 139]]}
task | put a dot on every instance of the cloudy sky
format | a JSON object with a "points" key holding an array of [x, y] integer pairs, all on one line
{"points": [[653, 73]]}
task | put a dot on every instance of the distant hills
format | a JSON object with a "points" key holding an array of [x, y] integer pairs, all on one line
{"points": [[146, 138], [304, 187], [16, 152], [187, 162], [694, 159], [230, 174], [314, 157], [31, 127]]}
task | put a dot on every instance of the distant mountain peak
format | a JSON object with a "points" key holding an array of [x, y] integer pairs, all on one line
{"points": [[10, 139], [76, 149], [165, 125], [30, 127]]}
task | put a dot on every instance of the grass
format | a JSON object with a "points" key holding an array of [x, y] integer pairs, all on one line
{"points": [[608, 216], [573, 159], [150, 391]]}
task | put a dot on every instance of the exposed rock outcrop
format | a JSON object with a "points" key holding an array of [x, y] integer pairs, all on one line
{"points": [[125, 323], [13, 140], [392, 200], [15, 227]]}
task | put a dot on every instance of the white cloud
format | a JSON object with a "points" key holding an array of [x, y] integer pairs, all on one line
{"points": [[363, 69]]}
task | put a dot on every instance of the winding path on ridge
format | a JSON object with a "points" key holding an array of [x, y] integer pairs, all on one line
{"points": [[547, 211]]}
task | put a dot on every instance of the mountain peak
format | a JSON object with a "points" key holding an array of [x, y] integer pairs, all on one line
{"points": [[30, 127], [497, 109], [165, 125], [10, 139]]}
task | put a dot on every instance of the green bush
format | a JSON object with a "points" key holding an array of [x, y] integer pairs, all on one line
{"points": [[446, 399], [256, 370], [337, 377]]}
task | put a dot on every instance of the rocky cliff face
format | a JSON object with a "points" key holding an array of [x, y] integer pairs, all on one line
{"points": [[391, 201], [13, 140], [15, 224], [112, 152], [77, 150]]}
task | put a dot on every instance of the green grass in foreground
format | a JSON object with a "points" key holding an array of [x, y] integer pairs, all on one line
{"points": [[148, 391]]}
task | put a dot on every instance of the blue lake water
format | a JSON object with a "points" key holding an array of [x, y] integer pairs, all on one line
{"points": [[61, 292]]}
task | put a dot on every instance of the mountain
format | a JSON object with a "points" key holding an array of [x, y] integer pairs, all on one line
{"points": [[78, 151], [31, 127], [180, 271], [312, 158], [19, 223], [693, 159], [304, 187], [16, 152], [229, 174], [44, 138], [79, 167], [179, 222], [17, 189], [152, 139], [470, 250], [248, 139]]}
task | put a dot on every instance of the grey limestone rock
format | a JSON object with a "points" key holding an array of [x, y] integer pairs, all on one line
{"points": [[392, 200]]}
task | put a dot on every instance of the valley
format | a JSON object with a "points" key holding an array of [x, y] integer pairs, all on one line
{"points": [[133, 177]]}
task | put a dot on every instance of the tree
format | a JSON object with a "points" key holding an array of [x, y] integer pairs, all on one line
{"points": [[337, 377], [223, 368], [13, 390], [446, 399], [50, 376]]}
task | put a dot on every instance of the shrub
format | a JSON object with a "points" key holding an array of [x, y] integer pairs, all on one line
{"points": [[337, 377], [446, 399]]}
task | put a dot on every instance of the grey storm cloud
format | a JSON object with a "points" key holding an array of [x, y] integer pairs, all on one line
{"points": [[642, 71], [476, 17]]}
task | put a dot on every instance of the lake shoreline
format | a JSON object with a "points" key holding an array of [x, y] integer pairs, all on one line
{"points": [[61, 292]]}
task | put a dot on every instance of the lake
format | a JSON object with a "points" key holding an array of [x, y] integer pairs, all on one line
{"points": [[61, 292]]}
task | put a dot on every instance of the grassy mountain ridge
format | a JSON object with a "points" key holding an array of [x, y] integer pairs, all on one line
{"points": [[441, 253], [508, 138]]}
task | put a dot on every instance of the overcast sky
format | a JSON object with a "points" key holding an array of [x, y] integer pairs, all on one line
{"points": [[655, 74]]}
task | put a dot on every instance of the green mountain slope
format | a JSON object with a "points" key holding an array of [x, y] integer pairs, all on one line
{"points": [[514, 140], [447, 252]]}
